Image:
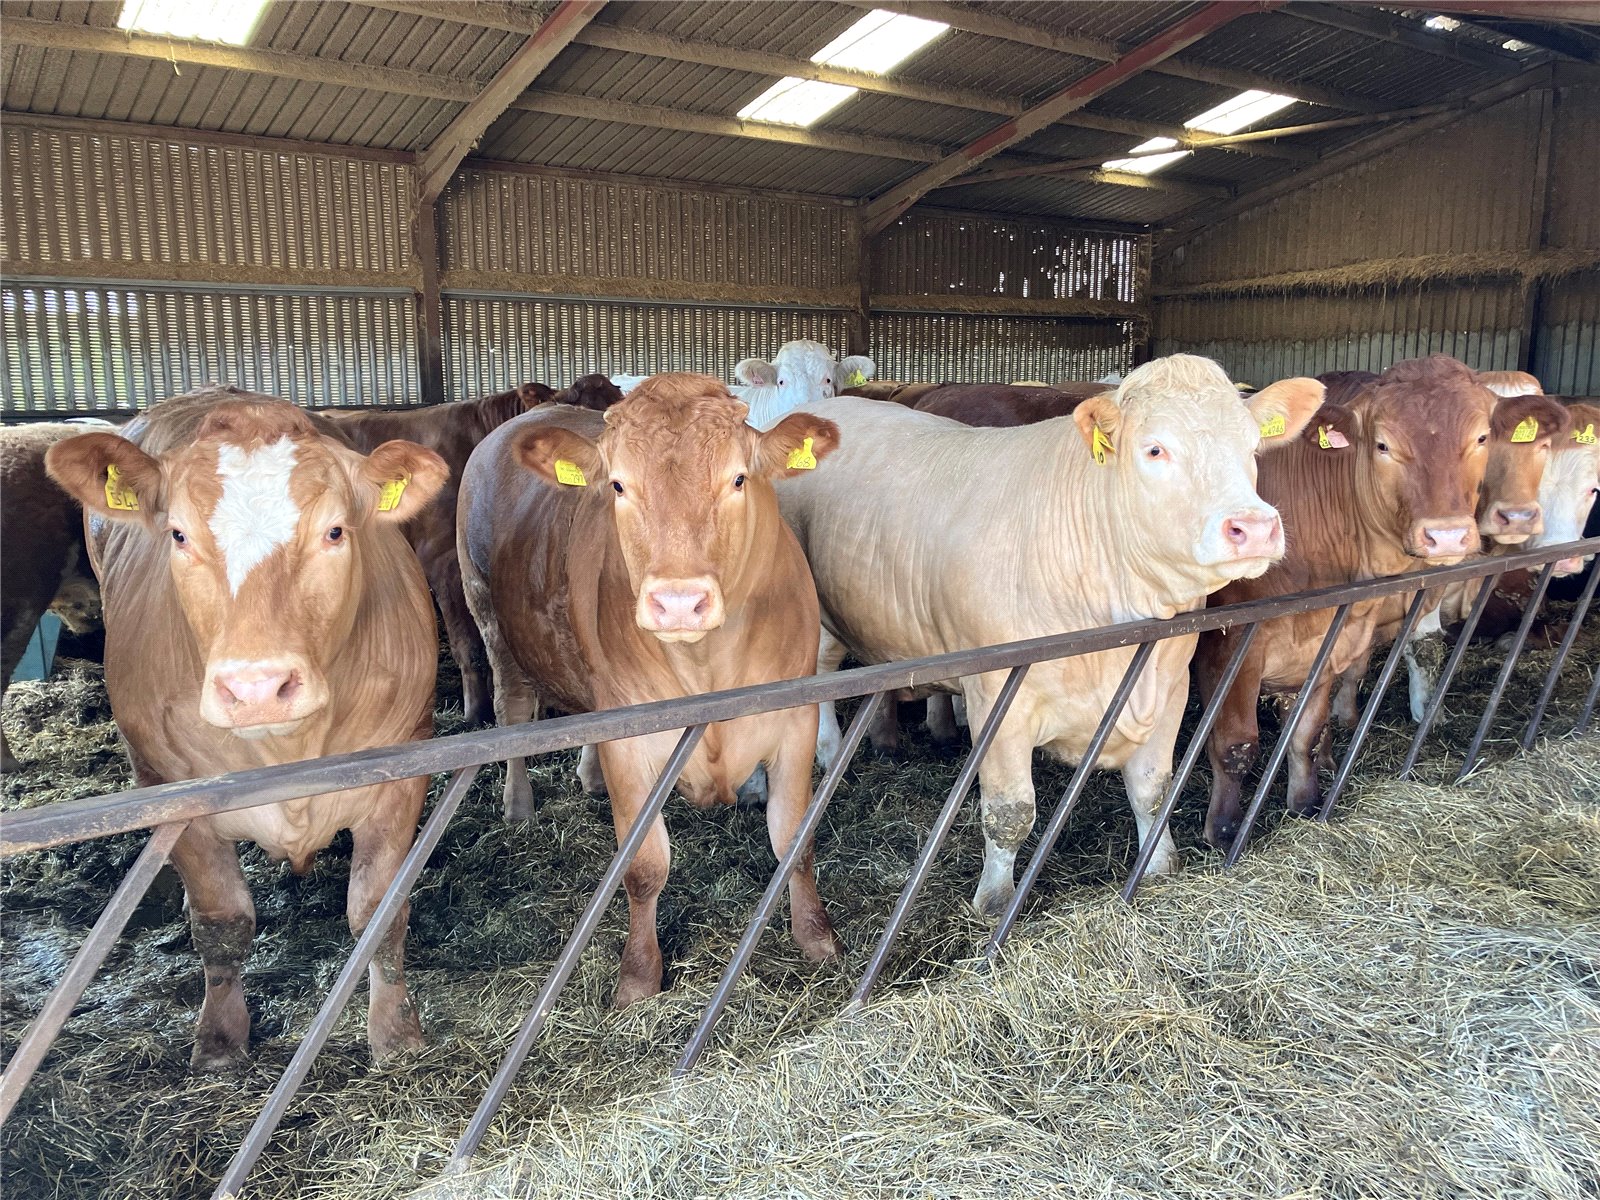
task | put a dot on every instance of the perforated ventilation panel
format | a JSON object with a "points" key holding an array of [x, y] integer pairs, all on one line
{"points": [[949, 348]]}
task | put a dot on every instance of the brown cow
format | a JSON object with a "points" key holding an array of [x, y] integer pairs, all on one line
{"points": [[1385, 485], [594, 392], [261, 607], [642, 557], [886, 389], [46, 563], [450, 431], [1002, 405]]}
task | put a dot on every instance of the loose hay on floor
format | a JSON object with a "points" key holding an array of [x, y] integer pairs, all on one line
{"points": [[1404, 1004]]}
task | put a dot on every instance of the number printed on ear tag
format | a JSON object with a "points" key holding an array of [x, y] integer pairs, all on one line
{"points": [[389, 497], [1527, 429], [1273, 426], [1330, 438], [118, 497], [802, 458], [1584, 437], [1100, 446]]}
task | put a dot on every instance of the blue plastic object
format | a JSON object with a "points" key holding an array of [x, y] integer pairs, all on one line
{"points": [[41, 652]]}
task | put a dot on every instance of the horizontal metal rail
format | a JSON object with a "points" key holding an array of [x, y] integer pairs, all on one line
{"points": [[139, 808]]}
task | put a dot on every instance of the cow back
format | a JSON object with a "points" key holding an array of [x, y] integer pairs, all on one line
{"points": [[1000, 405]]}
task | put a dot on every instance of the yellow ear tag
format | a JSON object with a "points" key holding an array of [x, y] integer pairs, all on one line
{"points": [[1273, 426], [570, 474], [1100, 446], [1331, 439], [1584, 437], [389, 497], [856, 379], [1526, 430], [117, 496], [802, 459]]}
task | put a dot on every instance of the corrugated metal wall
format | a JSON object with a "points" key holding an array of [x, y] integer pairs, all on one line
{"points": [[1470, 189]]}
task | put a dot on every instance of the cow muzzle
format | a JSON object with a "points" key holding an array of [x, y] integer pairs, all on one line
{"points": [[1512, 524], [1445, 541], [1569, 566], [256, 698], [680, 610], [1253, 533]]}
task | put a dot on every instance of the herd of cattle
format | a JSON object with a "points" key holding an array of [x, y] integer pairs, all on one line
{"points": [[264, 574]]}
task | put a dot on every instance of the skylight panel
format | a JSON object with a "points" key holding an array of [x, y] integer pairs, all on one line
{"points": [[1146, 164], [879, 42], [1444, 23], [1242, 111], [793, 101], [228, 21]]}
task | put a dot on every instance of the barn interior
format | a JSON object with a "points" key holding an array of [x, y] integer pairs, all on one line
{"points": [[407, 202]]}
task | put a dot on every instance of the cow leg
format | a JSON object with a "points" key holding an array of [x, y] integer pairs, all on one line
{"points": [[631, 768], [590, 775], [1146, 776], [1424, 660], [466, 643], [12, 647], [514, 698], [1347, 698], [788, 794], [1005, 780], [941, 719], [1235, 739], [830, 653], [1308, 746], [381, 844], [222, 922], [884, 732]]}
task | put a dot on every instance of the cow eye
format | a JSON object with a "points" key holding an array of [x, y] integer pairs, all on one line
{"points": [[335, 533], [616, 487], [1155, 452], [738, 481], [1383, 447], [1482, 438], [177, 536]]}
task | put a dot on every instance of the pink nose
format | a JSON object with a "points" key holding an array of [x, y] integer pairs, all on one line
{"points": [[257, 685], [1517, 520], [1253, 535], [1568, 566], [679, 609], [1444, 541]]}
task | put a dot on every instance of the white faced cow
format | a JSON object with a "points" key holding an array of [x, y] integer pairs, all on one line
{"points": [[800, 373]]}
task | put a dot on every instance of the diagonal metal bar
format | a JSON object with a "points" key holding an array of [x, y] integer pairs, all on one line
{"points": [[1397, 652], [936, 835], [1442, 685], [1280, 749], [567, 960], [1197, 743], [43, 1029], [1549, 689], [366, 947], [780, 878], [1587, 715], [1069, 800], [1504, 677]]}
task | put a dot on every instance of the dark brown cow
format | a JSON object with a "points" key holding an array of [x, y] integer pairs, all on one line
{"points": [[594, 392], [451, 431], [262, 607], [896, 393], [1385, 485], [642, 557], [46, 563], [1003, 405]]}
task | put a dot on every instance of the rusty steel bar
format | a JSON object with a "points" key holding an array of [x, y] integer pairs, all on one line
{"points": [[1197, 743], [394, 896], [567, 960], [1280, 749], [1504, 677], [42, 1030], [1442, 684], [138, 808], [936, 835], [1370, 713], [696, 1045], [1069, 800], [1549, 689]]}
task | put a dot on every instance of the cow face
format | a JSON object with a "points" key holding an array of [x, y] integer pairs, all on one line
{"points": [[804, 372], [1570, 485], [263, 521], [1183, 449], [1420, 436], [683, 474], [1522, 433]]}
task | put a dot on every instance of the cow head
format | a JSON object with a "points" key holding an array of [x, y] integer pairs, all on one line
{"points": [[1182, 446], [804, 372], [1419, 436], [1522, 433], [1570, 484], [687, 480], [264, 522]]}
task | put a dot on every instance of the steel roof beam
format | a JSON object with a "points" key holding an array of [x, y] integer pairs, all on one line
{"points": [[1399, 32]]}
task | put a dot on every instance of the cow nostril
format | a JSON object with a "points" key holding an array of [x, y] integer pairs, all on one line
{"points": [[1235, 533]]}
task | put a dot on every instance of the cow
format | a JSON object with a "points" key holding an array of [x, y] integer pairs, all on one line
{"points": [[926, 536], [594, 392], [262, 607], [1381, 486], [451, 431], [886, 389], [1511, 383], [46, 562], [1002, 405], [641, 556]]}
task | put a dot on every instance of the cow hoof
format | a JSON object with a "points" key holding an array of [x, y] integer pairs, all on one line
{"points": [[631, 989], [211, 1057], [991, 902], [891, 754], [1221, 835], [818, 943], [9, 764], [398, 1045], [1168, 863]]}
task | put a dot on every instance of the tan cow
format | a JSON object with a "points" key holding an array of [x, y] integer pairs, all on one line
{"points": [[641, 556], [927, 536], [261, 607]]}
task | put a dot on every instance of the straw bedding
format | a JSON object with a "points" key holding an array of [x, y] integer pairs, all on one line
{"points": [[1405, 1003]]}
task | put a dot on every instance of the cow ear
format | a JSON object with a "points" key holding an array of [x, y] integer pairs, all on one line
{"points": [[405, 476], [756, 372], [534, 394], [1282, 409], [560, 456], [1529, 418], [108, 475], [1099, 413], [856, 370], [1332, 427], [795, 444]]}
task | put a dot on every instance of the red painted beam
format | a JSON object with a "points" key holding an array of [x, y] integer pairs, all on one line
{"points": [[887, 207]]}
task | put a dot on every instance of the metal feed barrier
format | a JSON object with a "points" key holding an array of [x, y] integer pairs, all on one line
{"points": [[167, 808]]}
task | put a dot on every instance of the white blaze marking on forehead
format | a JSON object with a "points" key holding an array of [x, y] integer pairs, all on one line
{"points": [[256, 514]]}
